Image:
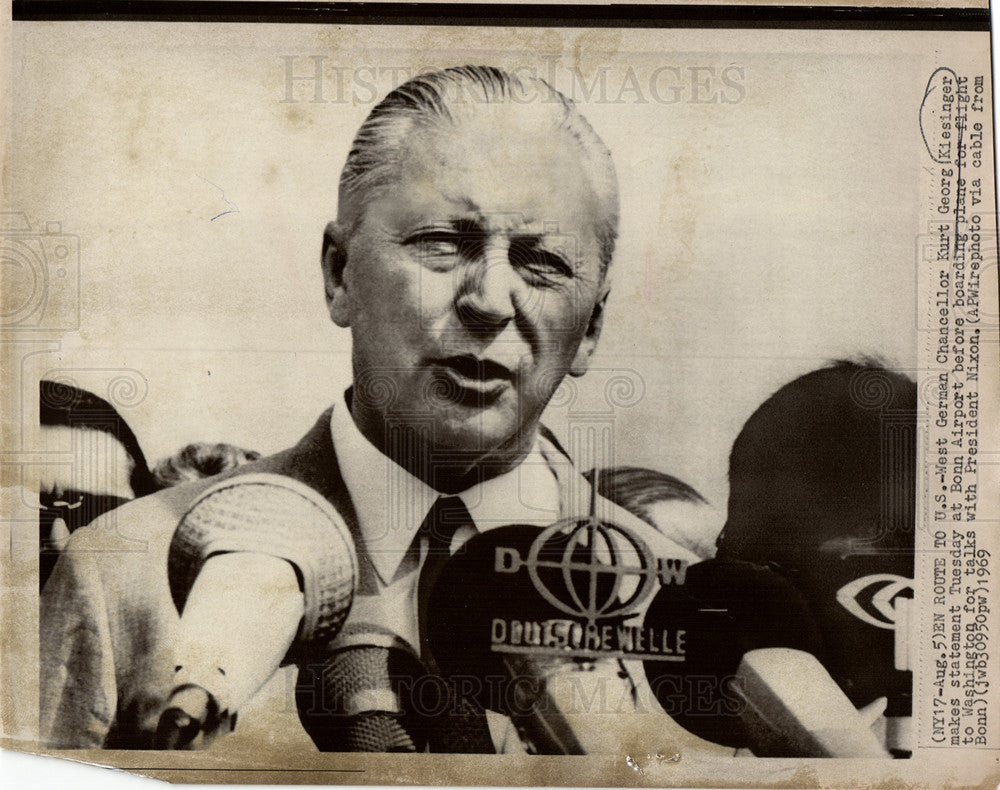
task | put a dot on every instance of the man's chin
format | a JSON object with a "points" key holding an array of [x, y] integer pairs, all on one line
{"points": [[483, 431]]}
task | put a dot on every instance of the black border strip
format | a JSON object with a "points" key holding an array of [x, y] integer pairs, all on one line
{"points": [[507, 14]]}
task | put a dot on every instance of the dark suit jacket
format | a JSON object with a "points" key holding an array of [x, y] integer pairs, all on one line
{"points": [[108, 621]]}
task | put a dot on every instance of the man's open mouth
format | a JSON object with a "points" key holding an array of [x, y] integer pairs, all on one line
{"points": [[473, 381], [478, 370]]}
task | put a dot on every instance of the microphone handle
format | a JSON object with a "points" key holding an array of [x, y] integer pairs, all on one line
{"points": [[236, 595], [578, 707], [793, 708], [537, 709], [217, 669], [259, 564]]}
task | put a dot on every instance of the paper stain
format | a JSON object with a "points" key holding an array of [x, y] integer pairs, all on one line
{"points": [[633, 764], [232, 207], [658, 758]]}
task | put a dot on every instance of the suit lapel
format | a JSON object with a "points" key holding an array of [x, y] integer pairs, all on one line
{"points": [[313, 461]]}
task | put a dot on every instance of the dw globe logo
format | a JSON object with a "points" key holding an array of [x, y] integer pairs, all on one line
{"points": [[598, 574]]}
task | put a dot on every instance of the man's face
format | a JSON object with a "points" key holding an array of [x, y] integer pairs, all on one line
{"points": [[473, 284]]}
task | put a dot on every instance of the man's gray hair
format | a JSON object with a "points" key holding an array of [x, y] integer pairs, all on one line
{"points": [[447, 96]]}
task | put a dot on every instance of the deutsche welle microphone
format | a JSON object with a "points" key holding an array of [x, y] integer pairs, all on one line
{"points": [[260, 565], [533, 623], [750, 675]]}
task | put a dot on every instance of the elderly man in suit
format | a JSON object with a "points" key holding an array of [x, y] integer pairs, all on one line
{"points": [[476, 223]]}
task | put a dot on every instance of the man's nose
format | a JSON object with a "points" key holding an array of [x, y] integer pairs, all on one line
{"points": [[489, 298]]}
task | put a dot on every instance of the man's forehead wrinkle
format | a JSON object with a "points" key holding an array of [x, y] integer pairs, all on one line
{"points": [[466, 207], [468, 211], [475, 176]]}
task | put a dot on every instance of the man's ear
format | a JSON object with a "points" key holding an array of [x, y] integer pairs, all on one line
{"points": [[334, 261], [582, 359]]}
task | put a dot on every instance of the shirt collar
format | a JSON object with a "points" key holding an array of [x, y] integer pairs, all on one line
{"points": [[391, 504]]}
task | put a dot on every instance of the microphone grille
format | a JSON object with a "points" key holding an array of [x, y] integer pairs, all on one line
{"points": [[354, 701], [378, 732], [275, 515]]}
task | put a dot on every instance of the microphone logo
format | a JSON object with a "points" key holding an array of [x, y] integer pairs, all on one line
{"points": [[873, 598], [592, 569], [594, 575]]}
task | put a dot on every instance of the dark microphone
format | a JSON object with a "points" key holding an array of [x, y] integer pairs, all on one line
{"points": [[360, 699], [823, 488], [859, 591], [751, 676], [262, 569], [527, 622], [862, 604]]}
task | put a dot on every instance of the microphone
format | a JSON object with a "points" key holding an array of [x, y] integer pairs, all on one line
{"points": [[531, 623], [359, 699], [751, 676], [262, 569], [862, 603], [793, 708], [859, 593], [823, 487]]}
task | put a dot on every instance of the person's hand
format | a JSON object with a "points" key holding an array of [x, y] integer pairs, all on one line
{"points": [[190, 720]]}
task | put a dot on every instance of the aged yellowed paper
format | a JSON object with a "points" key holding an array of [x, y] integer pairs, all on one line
{"points": [[749, 274]]}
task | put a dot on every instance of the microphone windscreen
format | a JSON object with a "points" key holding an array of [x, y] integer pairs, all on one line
{"points": [[361, 699], [277, 516], [725, 608]]}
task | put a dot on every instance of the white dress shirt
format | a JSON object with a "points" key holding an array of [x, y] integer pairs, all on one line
{"points": [[391, 504]]}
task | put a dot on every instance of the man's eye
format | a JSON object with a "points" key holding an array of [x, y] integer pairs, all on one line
{"points": [[438, 245], [543, 266]]}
